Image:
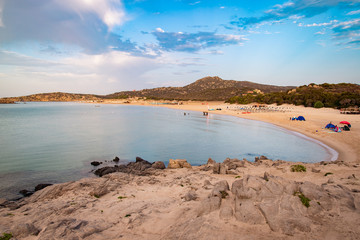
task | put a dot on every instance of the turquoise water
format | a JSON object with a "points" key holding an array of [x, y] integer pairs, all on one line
{"points": [[55, 142]]}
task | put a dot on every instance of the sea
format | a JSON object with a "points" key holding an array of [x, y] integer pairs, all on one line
{"points": [[43, 142]]}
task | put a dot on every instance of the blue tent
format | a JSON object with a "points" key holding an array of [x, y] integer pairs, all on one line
{"points": [[300, 118], [330, 126]]}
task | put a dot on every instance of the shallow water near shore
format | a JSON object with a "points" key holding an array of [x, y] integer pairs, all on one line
{"points": [[55, 142]]}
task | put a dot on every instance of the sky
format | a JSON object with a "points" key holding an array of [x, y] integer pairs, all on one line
{"points": [[107, 46]]}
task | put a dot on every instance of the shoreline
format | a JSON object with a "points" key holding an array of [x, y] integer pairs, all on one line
{"points": [[347, 149]]}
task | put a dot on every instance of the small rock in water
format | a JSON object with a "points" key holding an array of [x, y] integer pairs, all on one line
{"points": [[26, 193], [95, 163], [116, 159]]}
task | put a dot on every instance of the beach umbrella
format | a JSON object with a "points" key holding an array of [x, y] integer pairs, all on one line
{"points": [[345, 122]]}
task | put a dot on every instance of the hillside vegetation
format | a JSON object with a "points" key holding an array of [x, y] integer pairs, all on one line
{"points": [[327, 95], [205, 89]]}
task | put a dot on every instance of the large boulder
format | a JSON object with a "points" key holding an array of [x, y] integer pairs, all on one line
{"points": [[178, 163]]}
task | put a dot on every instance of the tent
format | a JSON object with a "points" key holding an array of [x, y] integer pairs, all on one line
{"points": [[346, 122], [330, 126], [345, 128], [300, 118]]}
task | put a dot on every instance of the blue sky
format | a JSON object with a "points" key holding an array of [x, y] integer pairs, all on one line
{"points": [[106, 46]]}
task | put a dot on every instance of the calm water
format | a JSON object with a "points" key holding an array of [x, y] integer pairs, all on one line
{"points": [[55, 142]]}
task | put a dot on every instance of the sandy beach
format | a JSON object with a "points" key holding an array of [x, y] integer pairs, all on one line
{"points": [[236, 199]]}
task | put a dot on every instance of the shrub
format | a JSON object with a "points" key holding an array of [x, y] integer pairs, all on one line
{"points": [[224, 194], [304, 200], [6, 236], [318, 104], [298, 168]]}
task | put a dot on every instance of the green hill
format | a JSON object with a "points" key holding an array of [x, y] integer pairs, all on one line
{"points": [[330, 95]]}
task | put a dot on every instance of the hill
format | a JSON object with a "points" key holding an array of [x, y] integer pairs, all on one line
{"points": [[340, 95], [208, 88], [53, 97]]}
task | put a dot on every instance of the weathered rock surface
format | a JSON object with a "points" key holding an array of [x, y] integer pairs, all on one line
{"points": [[191, 204], [274, 200], [178, 163], [229, 166]]}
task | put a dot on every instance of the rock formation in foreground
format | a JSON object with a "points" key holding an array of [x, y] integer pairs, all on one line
{"points": [[230, 200]]}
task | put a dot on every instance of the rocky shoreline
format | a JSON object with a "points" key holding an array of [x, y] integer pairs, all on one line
{"points": [[235, 199]]}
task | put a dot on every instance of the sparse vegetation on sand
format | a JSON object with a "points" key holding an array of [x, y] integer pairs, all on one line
{"points": [[298, 168]]}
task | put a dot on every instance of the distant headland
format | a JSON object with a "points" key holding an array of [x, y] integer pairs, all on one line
{"points": [[216, 89]]}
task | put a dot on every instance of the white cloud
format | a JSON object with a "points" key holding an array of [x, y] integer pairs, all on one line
{"points": [[111, 12], [353, 12], [332, 22], [160, 30]]}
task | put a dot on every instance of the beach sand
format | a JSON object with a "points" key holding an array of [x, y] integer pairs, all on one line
{"points": [[262, 202]]}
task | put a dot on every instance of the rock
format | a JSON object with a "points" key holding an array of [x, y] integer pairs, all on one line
{"points": [[26, 193], [314, 170], [178, 163], [278, 163], [223, 168], [208, 205], [105, 170], [263, 157], [331, 180], [207, 184], [190, 196], [2, 201], [42, 186], [226, 212], [266, 176], [139, 159], [210, 161], [141, 168], [206, 167], [158, 165], [246, 211], [220, 189], [116, 159], [231, 172], [216, 168], [23, 230], [99, 191], [95, 163]]}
